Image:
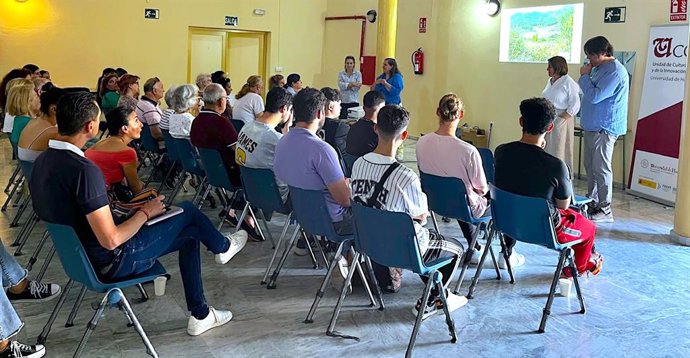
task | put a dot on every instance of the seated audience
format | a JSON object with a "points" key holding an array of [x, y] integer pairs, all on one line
{"points": [[434, 157], [45, 74], [128, 87], [18, 288], [68, 189], [99, 85], [116, 159], [335, 129], [22, 103], [256, 146], [222, 79], [36, 134], [149, 110], [8, 121], [276, 81], [361, 139], [404, 194], [39, 83], [249, 105], [293, 83], [185, 100], [108, 92], [120, 72], [524, 168], [164, 125], [35, 70], [203, 80]]}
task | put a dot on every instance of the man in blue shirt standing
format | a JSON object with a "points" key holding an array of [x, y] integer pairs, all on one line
{"points": [[605, 84]]}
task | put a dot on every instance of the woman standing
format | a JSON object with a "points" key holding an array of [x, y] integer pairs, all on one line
{"points": [[249, 105], [349, 82], [564, 93], [390, 82]]}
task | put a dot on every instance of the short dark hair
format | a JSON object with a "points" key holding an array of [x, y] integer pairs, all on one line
{"points": [[559, 65], [276, 98], [43, 72], [117, 118], [30, 67], [292, 78], [74, 110], [50, 97], [217, 76], [150, 83], [107, 70], [598, 45], [537, 114], [373, 99], [332, 95], [307, 104], [392, 121], [120, 71]]}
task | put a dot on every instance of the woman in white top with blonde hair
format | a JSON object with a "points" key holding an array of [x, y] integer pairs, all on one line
{"points": [[564, 93]]}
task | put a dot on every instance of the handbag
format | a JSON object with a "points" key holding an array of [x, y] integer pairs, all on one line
{"points": [[123, 210]]}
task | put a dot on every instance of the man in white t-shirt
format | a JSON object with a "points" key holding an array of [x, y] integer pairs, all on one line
{"points": [[256, 143], [402, 192]]}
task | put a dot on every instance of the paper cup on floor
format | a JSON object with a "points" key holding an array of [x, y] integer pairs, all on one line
{"points": [[159, 285], [565, 285]]}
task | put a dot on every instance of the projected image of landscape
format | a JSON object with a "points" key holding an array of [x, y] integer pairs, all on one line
{"points": [[535, 34]]}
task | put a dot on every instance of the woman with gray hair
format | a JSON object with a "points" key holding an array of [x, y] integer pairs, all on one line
{"points": [[203, 80], [185, 100], [169, 101]]}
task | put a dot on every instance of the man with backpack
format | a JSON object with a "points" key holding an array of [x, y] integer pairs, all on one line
{"points": [[379, 181]]}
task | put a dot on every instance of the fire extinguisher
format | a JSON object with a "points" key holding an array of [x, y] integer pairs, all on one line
{"points": [[418, 61]]}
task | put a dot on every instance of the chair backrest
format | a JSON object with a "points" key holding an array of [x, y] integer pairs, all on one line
{"points": [[170, 146], [147, 140], [447, 196], [487, 163], [73, 256], [187, 154], [216, 172], [261, 189], [238, 124], [26, 167], [523, 218], [349, 160], [387, 237], [309, 208]]}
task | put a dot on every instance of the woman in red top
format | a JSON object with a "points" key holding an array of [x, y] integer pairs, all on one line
{"points": [[114, 157]]}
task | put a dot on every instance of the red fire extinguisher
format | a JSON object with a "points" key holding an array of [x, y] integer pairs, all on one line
{"points": [[418, 61]]}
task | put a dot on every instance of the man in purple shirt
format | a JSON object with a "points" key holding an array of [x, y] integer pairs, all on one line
{"points": [[305, 161]]}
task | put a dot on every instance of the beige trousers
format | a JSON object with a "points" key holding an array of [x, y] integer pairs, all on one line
{"points": [[559, 142]]}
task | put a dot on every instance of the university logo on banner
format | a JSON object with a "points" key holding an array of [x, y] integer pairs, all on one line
{"points": [[679, 10]]}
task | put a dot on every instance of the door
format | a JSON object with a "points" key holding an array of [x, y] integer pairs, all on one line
{"points": [[246, 57], [207, 52]]}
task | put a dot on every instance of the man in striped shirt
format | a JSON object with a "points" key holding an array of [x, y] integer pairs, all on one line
{"points": [[402, 192]]}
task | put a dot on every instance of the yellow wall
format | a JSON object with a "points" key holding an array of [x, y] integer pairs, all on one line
{"points": [[76, 39]]}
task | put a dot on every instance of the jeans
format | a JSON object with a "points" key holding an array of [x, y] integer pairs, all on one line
{"points": [[12, 274], [598, 154], [182, 233]]}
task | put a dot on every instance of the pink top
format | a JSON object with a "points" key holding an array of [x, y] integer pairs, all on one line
{"points": [[448, 156]]}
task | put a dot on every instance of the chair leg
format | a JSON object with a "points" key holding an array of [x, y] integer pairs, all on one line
{"points": [[278, 245], [365, 282], [44, 268], [310, 250], [473, 285], [14, 190], [506, 258], [125, 306], [75, 308], [26, 231], [268, 230], [420, 313], [20, 212], [466, 259], [61, 300], [91, 326], [20, 236], [240, 220], [375, 282], [272, 282], [165, 178], [449, 319], [495, 262], [433, 219], [324, 283], [322, 251], [573, 268], [552, 291], [330, 331], [37, 251], [16, 172]]}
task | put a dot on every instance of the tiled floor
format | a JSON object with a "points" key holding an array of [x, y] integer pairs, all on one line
{"points": [[637, 307]]}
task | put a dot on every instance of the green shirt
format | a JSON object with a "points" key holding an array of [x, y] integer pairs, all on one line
{"points": [[109, 101], [20, 123]]}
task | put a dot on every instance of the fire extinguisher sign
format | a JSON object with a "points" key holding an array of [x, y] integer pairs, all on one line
{"points": [[679, 10], [422, 25]]}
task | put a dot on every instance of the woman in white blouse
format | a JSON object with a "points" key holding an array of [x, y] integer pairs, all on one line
{"points": [[564, 93], [249, 105], [349, 82], [185, 100]]}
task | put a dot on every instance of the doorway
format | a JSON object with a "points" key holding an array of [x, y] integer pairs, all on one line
{"points": [[239, 53]]}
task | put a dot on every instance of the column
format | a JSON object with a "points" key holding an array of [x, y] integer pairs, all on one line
{"points": [[386, 30], [681, 223]]}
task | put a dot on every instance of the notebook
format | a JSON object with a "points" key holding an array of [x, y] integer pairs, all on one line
{"points": [[170, 211]]}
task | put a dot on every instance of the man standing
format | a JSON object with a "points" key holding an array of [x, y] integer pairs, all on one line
{"points": [[605, 84], [148, 109]]}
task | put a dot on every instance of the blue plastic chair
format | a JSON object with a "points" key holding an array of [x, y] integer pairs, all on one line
{"points": [[310, 211], [528, 219], [171, 149], [27, 228], [78, 268], [487, 163], [238, 124], [447, 197], [349, 160], [389, 238], [186, 152], [153, 152]]}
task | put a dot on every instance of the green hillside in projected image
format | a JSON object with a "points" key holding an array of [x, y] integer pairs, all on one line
{"points": [[538, 33]]}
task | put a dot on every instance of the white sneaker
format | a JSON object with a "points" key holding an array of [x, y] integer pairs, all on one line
{"points": [[516, 260], [455, 301], [301, 251], [214, 319], [340, 275], [237, 242]]}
